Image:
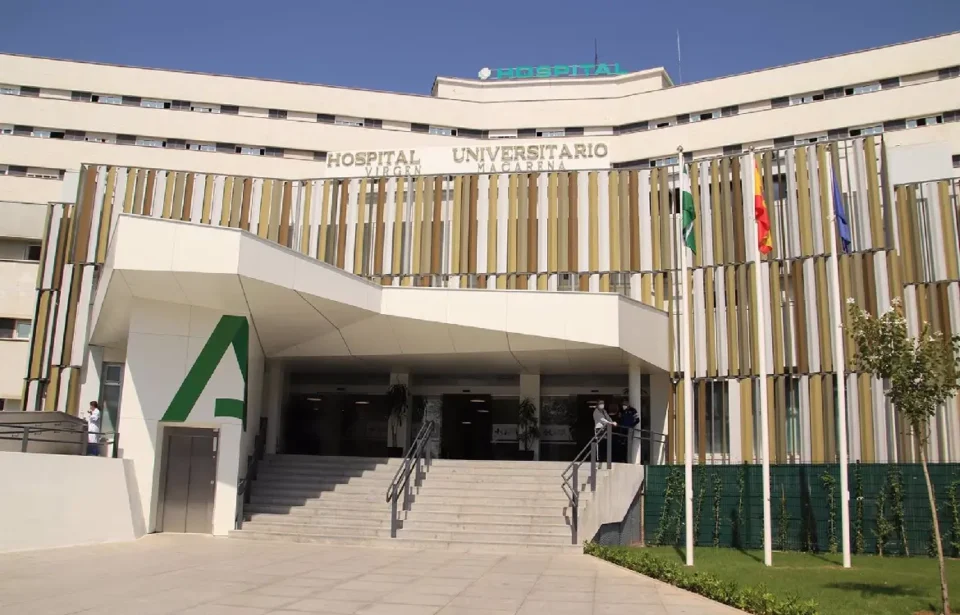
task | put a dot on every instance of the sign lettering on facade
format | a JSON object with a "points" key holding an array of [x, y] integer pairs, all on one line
{"points": [[548, 72], [572, 156]]}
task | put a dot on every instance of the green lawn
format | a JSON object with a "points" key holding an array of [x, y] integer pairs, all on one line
{"points": [[874, 585]]}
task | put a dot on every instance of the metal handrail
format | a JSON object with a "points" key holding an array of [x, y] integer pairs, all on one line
{"points": [[8, 432], [253, 464], [571, 474], [401, 480]]}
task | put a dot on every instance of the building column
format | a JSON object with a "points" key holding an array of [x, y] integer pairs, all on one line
{"points": [[273, 392], [635, 390], [405, 433], [660, 391], [530, 388]]}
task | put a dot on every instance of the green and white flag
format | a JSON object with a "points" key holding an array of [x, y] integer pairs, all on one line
{"points": [[688, 210]]}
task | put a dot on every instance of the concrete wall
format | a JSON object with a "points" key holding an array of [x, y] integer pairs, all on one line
{"points": [[164, 341], [60, 501], [617, 489]]}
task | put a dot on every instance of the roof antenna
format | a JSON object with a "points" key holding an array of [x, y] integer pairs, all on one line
{"points": [[679, 63], [596, 54]]}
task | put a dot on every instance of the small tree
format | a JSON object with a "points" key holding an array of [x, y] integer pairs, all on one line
{"points": [[920, 374]]}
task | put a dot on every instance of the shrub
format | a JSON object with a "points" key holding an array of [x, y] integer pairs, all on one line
{"points": [[756, 600]]}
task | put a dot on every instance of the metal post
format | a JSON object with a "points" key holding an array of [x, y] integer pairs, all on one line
{"points": [[116, 449], [25, 439], [393, 513], [574, 500], [406, 485], [609, 446], [593, 465], [418, 475]]}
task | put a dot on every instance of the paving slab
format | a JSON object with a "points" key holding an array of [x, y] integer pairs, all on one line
{"points": [[202, 575]]}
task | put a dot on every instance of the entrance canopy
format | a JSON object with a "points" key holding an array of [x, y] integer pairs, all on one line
{"points": [[303, 309]]}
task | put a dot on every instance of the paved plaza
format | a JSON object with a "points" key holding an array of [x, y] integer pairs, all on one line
{"points": [[199, 575]]}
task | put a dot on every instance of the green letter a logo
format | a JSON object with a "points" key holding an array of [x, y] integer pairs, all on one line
{"points": [[230, 331]]}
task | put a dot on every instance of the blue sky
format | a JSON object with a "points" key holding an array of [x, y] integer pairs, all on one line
{"points": [[402, 46]]}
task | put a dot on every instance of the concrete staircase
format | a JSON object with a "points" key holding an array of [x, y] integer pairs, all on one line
{"points": [[462, 505], [491, 505]]}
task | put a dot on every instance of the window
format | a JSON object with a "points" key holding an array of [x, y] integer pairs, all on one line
{"points": [[15, 329], [150, 103], [16, 170], [783, 141], [325, 118], [6, 130], [560, 132], [683, 119], [32, 252], [320, 156], [111, 384], [147, 142], [778, 103], [126, 139], [863, 89], [792, 415], [663, 162], [838, 133], [373, 123], [565, 282], [574, 132], [57, 134], [800, 100], [348, 121], [205, 108], [956, 161], [665, 124], [131, 101], [863, 132], [832, 93], [29, 91], [440, 130], [470, 133], [634, 127], [81, 96], [230, 110], [109, 100], [246, 150], [886, 84], [276, 152], [526, 133], [180, 105], [10, 89], [175, 144], [23, 131], [948, 73], [713, 428], [620, 283], [731, 110], [732, 149], [202, 147], [705, 115], [226, 148], [277, 114], [41, 132], [923, 121], [42, 173]]}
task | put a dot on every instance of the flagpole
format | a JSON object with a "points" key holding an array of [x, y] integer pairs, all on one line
{"points": [[687, 384], [838, 365], [762, 375]]}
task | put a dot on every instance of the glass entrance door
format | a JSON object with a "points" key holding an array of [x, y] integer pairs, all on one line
{"points": [[467, 427]]}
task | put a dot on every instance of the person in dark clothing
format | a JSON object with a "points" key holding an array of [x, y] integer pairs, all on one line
{"points": [[627, 420]]}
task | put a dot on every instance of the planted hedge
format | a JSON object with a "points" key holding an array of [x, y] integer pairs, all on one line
{"points": [[754, 599]]}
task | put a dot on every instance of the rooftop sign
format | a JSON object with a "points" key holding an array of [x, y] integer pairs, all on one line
{"points": [[562, 156], [548, 72]]}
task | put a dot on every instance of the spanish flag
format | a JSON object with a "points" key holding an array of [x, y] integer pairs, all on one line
{"points": [[764, 240]]}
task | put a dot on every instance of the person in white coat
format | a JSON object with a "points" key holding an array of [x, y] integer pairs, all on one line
{"points": [[600, 417], [93, 429]]}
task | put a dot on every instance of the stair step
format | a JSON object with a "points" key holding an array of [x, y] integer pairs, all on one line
{"points": [[516, 536], [318, 488], [557, 528], [406, 543], [314, 530], [317, 520], [336, 511], [418, 516]]}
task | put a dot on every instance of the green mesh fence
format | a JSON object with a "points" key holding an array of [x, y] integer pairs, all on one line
{"points": [[728, 510]]}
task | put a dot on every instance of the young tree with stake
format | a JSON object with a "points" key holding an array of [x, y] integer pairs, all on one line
{"points": [[919, 373]]}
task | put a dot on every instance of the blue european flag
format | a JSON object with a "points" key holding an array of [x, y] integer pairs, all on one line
{"points": [[843, 224]]}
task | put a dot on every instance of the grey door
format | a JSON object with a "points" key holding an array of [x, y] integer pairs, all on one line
{"points": [[188, 480]]}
